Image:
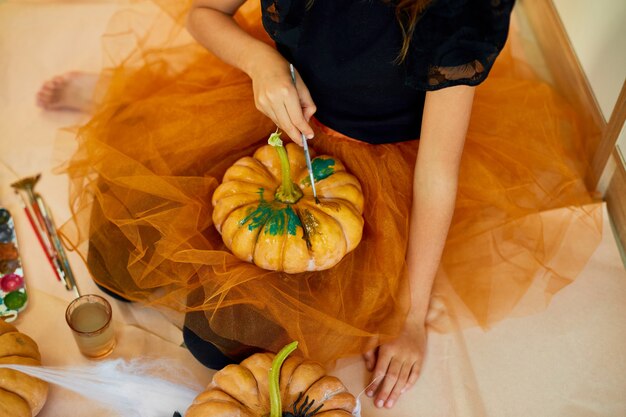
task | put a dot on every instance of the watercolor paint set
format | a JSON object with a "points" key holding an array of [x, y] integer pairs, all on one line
{"points": [[13, 298]]}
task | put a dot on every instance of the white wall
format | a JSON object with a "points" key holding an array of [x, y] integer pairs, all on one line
{"points": [[597, 30]]}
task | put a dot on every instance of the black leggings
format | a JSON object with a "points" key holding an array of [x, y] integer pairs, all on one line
{"points": [[205, 352]]}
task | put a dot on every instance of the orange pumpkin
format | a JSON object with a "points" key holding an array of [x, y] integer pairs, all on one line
{"points": [[267, 219], [268, 385], [20, 395]]}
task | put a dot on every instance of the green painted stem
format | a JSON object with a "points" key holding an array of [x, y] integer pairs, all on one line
{"points": [[276, 407], [288, 192]]}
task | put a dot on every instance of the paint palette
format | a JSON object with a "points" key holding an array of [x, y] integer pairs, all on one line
{"points": [[13, 297]]}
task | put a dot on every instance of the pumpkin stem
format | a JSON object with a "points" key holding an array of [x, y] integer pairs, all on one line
{"points": [[288, 192], [276, 407]]}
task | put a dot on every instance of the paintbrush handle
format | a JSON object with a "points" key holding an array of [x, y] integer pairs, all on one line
{"points": [[51, 258], [42, 238], [309, 165], [305, 145], [70, 281]]}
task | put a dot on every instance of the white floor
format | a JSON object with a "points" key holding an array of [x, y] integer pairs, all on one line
{"points": [[568, 361]]}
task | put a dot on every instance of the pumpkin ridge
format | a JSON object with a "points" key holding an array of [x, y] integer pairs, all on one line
{"points": [[12, 336], [338, 200], [315, 207], [235, 401], [240, 229], [332, 393], [256, 381], [260, 222], [17, 333], [347, 205], [256, 240], [4, 360], [259, 180], [22, 406], [274, 208], [333, 189], [291, 377], [264, 162], [263, 404], [305, 231], [232, 210], [258, 184], [274, 177], [284, 244], [16, 394], [233, 394], [6, 328], [267, 170], [238, 193], [31, 404], [261, 228], [276, 223], [254, 164], [321, 170], [303, 394], [329, 185]]}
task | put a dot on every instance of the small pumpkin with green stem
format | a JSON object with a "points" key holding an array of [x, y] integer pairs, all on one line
{"points": [[266, 385], [266, 212]]}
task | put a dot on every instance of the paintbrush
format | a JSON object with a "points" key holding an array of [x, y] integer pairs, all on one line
{"points": [[45, 229], [305, 145]]}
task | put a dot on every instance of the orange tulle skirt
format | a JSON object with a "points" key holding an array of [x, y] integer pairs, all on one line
{"points": [[172, 118]]}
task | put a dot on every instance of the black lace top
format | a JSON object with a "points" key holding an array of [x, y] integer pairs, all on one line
{"points": [[345, 52]]}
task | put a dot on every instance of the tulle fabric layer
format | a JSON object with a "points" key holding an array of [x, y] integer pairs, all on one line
{"points": [[171, 120]]}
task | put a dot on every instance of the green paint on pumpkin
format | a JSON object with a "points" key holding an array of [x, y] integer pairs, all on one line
{"points": [[275, 225], [322, 168], [258, 217], [276, 218], [293, 221]]}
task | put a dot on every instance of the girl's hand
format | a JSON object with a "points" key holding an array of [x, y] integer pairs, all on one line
{"points": [[275, 95], [396, 365]]}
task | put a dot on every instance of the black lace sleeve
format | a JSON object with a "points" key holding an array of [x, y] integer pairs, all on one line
{"points": [[282, 20], [456, 42]]}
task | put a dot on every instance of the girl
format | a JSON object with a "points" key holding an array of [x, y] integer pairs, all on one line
{"points": [[372, 77], [351, 55]]}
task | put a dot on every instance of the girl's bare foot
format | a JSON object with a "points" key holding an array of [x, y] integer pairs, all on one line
{"points": [[70, 91]]}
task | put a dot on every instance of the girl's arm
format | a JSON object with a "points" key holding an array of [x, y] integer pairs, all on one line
{"points": [[444, 126], [211, 23], [445, 121]]}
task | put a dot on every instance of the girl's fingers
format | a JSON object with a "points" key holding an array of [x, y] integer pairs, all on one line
{"points": [[370, 359], [308, 112], [389, 382], [289, 106], [294, 110], [285, 123], [413, 376], [400, 386], [281, 119], [380, 370], [306, 101]]}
